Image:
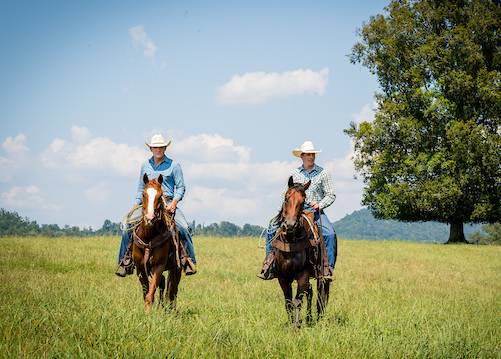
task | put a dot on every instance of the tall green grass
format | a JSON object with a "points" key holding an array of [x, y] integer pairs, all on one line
{"points": [[60, 298]]}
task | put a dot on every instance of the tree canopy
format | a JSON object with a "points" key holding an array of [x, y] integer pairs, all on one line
{"points": [[433, 151]]}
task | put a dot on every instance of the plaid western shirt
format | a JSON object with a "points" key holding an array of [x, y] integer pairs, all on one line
{"points": [[321, 188]]}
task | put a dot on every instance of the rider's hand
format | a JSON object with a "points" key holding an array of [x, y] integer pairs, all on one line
{"points": [[315, 205], [171, 207]]}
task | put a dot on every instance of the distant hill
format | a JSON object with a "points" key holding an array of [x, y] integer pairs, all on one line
{"points": [[362, 225]]}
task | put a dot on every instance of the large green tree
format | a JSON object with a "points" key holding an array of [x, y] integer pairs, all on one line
{"points": [[433, 150]]}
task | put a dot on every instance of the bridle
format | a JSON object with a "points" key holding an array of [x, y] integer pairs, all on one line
{"points": [[284, 226], [159, 215]]}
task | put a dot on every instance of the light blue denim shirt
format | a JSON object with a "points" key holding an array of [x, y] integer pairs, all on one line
{"points": [[173, 181]]}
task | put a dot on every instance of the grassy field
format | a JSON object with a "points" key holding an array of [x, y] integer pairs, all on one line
{"points": [[60, 298]]}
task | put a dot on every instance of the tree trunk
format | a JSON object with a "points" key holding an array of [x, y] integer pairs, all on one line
{"points": [[456, 234]]}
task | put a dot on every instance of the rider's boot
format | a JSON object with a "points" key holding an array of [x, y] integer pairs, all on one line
{"points": [[190, 267], [268, 269], [327, 271], [126, 265]]}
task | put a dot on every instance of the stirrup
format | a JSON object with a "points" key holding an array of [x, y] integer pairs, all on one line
{"points": [[120, 271], [268, 269], [266, 275], [125, 267], [267, 272], [328, 274]]}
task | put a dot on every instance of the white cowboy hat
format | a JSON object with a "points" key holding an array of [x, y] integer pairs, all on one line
{"points": [[158, 141], [306, 147]]}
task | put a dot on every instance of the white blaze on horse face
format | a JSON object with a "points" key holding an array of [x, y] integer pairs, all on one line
{"points": [[150, 211]]}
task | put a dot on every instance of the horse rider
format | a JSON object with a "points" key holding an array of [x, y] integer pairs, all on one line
{"points": [[173, 189], [319, 196]]}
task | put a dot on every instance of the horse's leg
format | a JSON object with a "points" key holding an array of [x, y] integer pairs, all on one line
{"points": [[309, 297], [161, 285], [155, 277], [287, 289], [322, 296], [172, 287], [303, 284], [137, 256], [145, 283]]}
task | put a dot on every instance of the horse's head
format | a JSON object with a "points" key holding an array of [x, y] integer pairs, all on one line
{"points": [[293, 204], [152, 199]]}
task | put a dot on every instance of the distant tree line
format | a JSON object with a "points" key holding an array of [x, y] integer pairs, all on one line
{"points": [[360, 224], [226, 229], [12, 224]]}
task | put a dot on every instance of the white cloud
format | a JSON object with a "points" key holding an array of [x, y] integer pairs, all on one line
{"points": [[210, 148], [366, 113], [141, 39], [57, 145], [16, 145], [54, 155], [80, 134], [257, 173], [85, 152], [28, 197], [8, 166], [261, 87], [222, 180], [221, 203], [224, 183], [16, 153], [101, 153]]}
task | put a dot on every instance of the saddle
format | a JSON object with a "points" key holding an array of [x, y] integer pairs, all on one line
{"points": [[311, 240], [176, 258], [310, 236]]}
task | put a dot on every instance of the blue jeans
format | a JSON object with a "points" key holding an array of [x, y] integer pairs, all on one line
{"points": [[182, 227], [328, 233]]}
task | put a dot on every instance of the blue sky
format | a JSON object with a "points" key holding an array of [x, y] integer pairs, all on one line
{"points": [[235, 85]]}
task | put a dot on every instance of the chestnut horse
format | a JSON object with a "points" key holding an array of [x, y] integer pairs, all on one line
{"points": [[298, 254], [155, 246]]}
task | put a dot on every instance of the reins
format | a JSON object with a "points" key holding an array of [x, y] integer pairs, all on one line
{"points": [[279, 243]]}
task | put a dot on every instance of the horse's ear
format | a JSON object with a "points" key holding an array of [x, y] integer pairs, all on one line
{"points": [[307, 185], [145, 178], [160, 179], [291, 182]]}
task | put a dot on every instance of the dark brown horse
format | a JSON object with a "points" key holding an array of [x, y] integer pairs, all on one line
{"points": [[155, 246], [298, 254]]}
